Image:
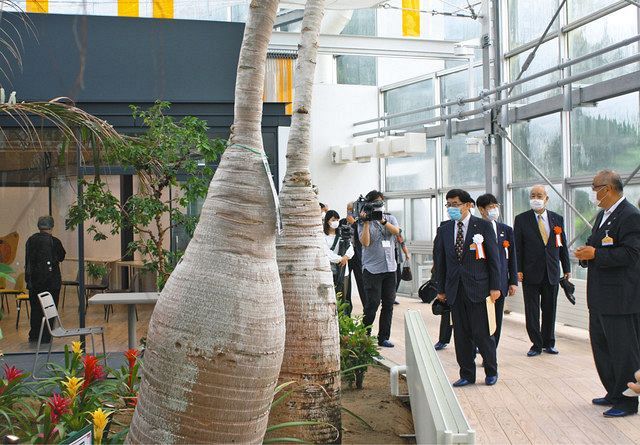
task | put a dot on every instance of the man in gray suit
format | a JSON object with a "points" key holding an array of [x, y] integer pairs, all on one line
{"points": [[612, 255]]}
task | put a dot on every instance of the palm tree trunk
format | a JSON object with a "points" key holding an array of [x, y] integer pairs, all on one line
{"points": [[312, 347], [216, 336]]}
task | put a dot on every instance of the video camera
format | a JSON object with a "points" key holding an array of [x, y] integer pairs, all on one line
{"points": [[372, 210], [345, 232]]}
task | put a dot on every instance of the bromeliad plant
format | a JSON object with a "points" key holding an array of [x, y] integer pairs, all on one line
{"points": [[68, 401]]}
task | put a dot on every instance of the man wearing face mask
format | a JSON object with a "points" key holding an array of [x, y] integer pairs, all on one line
{"points": [[467, 271], [541, 246], [378, 238], [612, 256], [355, 263], [490, 211]]}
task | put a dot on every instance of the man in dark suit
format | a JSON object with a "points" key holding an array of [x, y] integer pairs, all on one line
{"points": [[490, 210], [541, 245], [612, 255], [467, 266]]}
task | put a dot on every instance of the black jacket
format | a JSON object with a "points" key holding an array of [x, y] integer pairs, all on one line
{"points": [[508, 266], [477, 276], [613, 282], [43, 255], [533, 255]]}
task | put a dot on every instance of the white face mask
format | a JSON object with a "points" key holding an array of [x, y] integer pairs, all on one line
{"points": [[494, 214], [593, 197], [536, 204], [334, 224]]}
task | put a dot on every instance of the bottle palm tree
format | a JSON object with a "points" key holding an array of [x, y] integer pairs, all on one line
{"points": [[216, 337], [312, 346]]}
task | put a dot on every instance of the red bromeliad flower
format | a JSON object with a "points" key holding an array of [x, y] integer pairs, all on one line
{"points": [[132, 357], [59, 405], [11, 372], [92, 370]]}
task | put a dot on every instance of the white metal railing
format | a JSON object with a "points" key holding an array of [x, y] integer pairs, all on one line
{"points": [[437, 415]]}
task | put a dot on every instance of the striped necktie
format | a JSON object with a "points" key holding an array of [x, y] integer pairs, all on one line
{"points": [[543, 230]]}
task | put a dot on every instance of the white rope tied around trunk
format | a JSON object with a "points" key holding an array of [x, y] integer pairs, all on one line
{"points": [[265, 162]]}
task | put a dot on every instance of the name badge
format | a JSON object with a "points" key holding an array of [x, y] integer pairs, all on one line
{"points": [[386, 244], [607, 240]]}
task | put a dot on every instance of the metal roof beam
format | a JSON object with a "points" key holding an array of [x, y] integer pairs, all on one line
{"points": [[369, 46]]}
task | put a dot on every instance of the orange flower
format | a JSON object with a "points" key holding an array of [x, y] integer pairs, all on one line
{"points": [[131, 356], [557, 230], [506, 244]]}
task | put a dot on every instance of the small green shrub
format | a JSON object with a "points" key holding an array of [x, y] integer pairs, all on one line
{"points": [[357, 349]]}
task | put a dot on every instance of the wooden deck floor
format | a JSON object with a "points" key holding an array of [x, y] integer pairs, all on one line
{"points": [[544, 399]]}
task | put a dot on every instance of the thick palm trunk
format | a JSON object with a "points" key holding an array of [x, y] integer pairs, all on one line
{"points": [[312, 347], [216, 336]]}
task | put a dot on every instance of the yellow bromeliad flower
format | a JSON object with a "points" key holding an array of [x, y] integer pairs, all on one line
{"points": [[99, 424], [73, 385], [76, 347]]}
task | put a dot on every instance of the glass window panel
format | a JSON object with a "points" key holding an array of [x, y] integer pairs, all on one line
{"points": [[528, 19], [396, 208], [410, 97], [362, 23], [239, 13], [356, 70], [521, 200], [460, 168], [547, 56], [413, 172], [606, 136], [421, 219], [541, 140], [581, 8], [600, 33]]}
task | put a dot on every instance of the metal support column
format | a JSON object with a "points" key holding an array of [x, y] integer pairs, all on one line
{"points": [[81, 290]]}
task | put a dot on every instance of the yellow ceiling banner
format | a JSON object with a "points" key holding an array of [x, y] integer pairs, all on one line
{"points": [[37, 5], [411, 18], [163, 9], [129, 8]]}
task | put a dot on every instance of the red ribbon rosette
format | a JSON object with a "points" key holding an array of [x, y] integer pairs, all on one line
{"points": [[558, 231], [506, 245]]}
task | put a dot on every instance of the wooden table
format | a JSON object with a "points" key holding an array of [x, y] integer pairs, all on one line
{"points": [[130, 299]]}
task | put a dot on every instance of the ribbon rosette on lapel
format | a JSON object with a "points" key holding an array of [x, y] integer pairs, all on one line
{"points": [[478, 239], [506, 245], [558, 231]]}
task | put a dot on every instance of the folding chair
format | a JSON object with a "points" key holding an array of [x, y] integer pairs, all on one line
{"points": [[72, 283], [53, 324]]}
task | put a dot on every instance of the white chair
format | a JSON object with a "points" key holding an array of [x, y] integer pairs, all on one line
{"points": [[53, 323]]}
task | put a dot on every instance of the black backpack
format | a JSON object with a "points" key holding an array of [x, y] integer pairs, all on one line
{"points": [[428, 291]]}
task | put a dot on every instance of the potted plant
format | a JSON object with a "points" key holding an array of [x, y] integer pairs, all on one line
{"points": [[96, 271]]}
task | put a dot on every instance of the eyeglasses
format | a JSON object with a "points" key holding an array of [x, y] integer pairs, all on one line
{"points": [[454, 204], [596, 187]]}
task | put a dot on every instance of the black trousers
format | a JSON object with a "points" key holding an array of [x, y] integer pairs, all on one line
{"points": [[379, 288], [499, 315], [398, 276], [446, 330], [615, 342], [37, 314], [537, 296], [471, 329], [355, 267]]}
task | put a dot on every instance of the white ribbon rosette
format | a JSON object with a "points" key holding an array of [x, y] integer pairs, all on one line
{"points": [[478, 239]]}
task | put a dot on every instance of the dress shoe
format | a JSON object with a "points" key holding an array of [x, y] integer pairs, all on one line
{"points": [[551, 350], [615, 412], [491, 380], [438, 346], [461, 382], [533, 353], [386, 344], [602, 401]]}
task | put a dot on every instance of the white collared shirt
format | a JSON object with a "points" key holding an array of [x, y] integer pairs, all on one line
{"points": [[610, 211], [545, 220], [465, 226], [495, 228]]}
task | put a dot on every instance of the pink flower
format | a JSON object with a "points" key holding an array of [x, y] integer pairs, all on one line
{"points": [[59, 406], [11, 372]]}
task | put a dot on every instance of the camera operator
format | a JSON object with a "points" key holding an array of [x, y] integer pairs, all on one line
{"points": [[355, 263], [339, 248], [377, 232]]}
